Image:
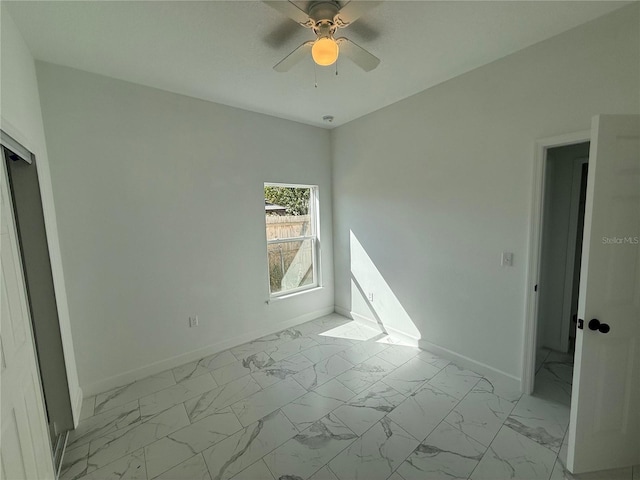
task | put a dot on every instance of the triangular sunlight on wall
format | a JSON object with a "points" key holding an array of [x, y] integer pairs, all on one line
{"points": [[372, 298]]}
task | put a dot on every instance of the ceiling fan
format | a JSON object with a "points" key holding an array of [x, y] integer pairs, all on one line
{"points": [[325, 17]]}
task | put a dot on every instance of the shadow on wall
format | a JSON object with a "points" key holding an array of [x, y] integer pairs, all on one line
{"points": [[372, 298]]}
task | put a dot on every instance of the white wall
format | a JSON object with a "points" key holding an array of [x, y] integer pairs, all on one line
{"points": [[22, 119], [555, 242], [436, 186], [161, 215]]}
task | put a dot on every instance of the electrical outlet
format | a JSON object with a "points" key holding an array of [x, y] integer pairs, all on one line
{"points": [[507, 259], [370, 296], [193, 321]]}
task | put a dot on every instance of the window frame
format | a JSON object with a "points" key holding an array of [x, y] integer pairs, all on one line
{"points": [[314, 237]]}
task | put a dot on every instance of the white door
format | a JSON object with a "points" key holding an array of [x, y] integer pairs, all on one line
{"points": [[25, 451], [604, 431]]}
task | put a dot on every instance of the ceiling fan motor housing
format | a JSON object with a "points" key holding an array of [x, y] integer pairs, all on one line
{"points": [[323, 12], [324, 29]]}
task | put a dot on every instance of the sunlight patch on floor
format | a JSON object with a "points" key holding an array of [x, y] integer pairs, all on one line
{"points": [[352, 331]]}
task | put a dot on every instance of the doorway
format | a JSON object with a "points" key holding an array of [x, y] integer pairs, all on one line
{"points": [[603, 429], [563, 209]]}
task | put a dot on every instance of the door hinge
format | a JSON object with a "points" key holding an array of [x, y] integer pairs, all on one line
{"points": [[535, 289]]}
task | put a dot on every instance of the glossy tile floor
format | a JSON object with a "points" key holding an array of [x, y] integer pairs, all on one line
{"points": [[329, 399]]}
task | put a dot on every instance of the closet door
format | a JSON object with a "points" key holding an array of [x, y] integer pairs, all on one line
{"points": [[25, 450]]}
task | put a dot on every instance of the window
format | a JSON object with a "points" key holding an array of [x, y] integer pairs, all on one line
{"points": [[291, 217]]}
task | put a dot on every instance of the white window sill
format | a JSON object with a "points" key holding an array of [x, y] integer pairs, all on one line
{"points": [[294, 294]]}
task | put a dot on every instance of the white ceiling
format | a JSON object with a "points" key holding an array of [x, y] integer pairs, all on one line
{"points": [[217, 50]]}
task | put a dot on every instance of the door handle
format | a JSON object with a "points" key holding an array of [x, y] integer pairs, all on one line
{"points": [[595, 324]]}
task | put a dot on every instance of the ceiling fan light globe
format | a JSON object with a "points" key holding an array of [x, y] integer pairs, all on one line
{"points": [[325, 51]]}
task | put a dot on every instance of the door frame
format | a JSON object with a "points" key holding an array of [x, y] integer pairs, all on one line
{"points": [[534, 249]]}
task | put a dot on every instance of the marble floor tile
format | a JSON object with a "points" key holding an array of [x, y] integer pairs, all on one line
{"points": [[445, 454], [330, 399], [507, 389], [561, 473], [187, 389], [133, 391], [286, 349], [129, 467], [432, 358], [564, 448], [190, 440], [257, 471], [366, 374], [74, 464], [308, 451], [559, 357], [335, 390], [395, 476], [309, 328], [398, 354], [266, 401], [103, 423], [220, 397], [354, 331], [540, 420], [409, 377], [321, 352], [280, 370], [376, 454], [360, 352], [332, 321], [88, 405], [233, 371], [308, 409], [480, 415], [391, 340], [193, 469], [240, 368], [265, 343], [541, 356], [367, 408], [202, 366], [112, 446], [455, 381], [512, 455], [322, 371], [328, 339], [553, 382], [241, 450], [423, 410], [324, 473]]}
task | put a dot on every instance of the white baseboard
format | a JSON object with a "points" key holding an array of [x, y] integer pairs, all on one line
{"points": [[157, 367], [463, 361], [77, 407], [471, 364]]}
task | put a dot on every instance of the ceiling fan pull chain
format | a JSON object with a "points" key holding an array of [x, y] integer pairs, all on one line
{"points": [[336, 67], [315, 75]]}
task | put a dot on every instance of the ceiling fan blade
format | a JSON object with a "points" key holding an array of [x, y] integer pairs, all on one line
{"points": [[282, 34], [364, 31], [352, 11], [292, 11], [294, 57], [365, 60]]}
